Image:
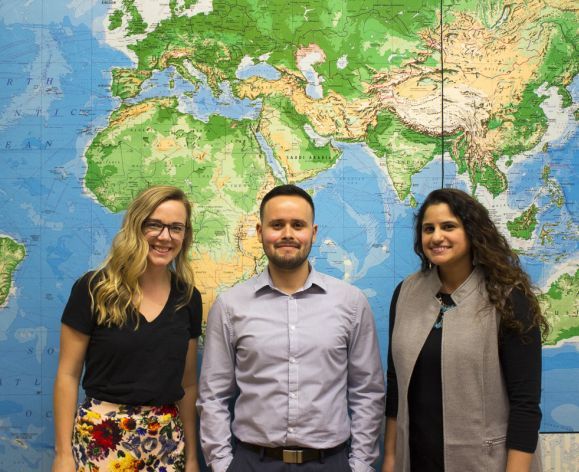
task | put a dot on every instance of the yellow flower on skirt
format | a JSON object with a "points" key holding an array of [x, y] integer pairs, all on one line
{"points": [[128, 424], [91, 416], [128, 464], [165, 419], [85, 429]]}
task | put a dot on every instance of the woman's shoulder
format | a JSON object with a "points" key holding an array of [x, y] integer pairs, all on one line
{"points": [[83, 282], [182, 288], [414, 279], [521, 306]]}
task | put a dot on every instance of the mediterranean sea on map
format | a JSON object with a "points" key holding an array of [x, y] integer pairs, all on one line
{"points": [[55, 99]]}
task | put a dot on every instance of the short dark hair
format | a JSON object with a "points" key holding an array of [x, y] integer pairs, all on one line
{"points": [[286, 190]]}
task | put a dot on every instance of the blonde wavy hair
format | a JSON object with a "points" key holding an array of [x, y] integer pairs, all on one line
{"points": [[114, 287]]}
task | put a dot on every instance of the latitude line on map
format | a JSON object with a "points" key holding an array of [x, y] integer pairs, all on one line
{"points": [[441, 96]]}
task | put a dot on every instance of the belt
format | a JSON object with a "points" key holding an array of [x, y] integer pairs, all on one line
{"points": [[293, 454]]}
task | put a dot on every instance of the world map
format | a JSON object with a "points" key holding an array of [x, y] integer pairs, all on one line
{"points": [[367, 105]]}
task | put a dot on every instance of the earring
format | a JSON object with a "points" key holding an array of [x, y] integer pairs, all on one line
{"points": [[429, 265]]}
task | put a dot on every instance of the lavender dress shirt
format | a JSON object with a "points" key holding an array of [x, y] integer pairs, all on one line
{"points": [[307, 367]]}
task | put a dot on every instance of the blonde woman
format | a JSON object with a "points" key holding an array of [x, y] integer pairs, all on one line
{"points": [[132, 324]]}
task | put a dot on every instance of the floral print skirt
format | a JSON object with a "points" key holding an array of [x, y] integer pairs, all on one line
{"points": [[110, 437]]}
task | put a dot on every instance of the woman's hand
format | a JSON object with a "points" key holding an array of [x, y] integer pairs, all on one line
{"points": [[388, 464], [389, 445], [192, 467], [63, 463]]}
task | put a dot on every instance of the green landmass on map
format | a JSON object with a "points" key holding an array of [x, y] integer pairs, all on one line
{"points": [[379, 82], [11, 255], [284, 131], [367, 35], [560, 304], [553, 187], [127, 82], [406, 152], [502, 52], [524, 225], [153, 143]]}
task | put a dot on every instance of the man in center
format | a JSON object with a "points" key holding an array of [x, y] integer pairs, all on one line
{"points": [[299, 350]]}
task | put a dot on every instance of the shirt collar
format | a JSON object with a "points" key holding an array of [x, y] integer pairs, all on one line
{"points": [[475, 281], [314, 278]]}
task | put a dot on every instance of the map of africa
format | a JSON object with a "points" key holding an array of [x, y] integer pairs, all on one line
{"points": [[367, 105]]}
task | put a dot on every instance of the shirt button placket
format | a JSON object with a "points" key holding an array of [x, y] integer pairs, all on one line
{"points": [[292, 366]]}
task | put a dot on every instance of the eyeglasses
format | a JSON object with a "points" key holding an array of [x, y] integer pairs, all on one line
{"points": [[155, 228]]}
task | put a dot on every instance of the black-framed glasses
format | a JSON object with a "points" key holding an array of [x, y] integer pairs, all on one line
{"points": [[155, 228]]}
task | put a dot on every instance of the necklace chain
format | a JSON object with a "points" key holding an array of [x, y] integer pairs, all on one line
{"points": [[443, 309]]}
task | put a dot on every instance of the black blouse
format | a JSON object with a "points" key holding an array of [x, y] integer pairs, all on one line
{"points": [[142, 366]]}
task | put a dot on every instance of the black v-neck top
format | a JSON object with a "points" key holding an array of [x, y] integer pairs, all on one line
{"points": [[142, 366]]}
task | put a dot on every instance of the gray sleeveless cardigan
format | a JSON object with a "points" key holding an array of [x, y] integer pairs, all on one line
{"points": [[475, 400]]}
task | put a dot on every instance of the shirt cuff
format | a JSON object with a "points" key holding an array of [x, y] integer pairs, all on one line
{"points": [[221, 465], [359, 466]]}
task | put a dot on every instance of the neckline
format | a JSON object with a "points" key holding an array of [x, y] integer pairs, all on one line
{"points": [[163, 309]]}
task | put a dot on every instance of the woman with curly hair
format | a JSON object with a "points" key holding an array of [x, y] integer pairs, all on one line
{"points": [[133, 324], [464, 360]]}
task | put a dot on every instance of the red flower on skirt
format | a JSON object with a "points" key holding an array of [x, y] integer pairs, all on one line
{"points": [[165, 409], [107, 435]]}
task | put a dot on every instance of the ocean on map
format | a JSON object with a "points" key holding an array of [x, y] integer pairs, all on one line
{"points": [[56, 97]]}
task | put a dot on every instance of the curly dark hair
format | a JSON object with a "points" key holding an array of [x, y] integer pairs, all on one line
{"points": [[491, 252]]}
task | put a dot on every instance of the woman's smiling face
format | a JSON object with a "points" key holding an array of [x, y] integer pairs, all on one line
{"points": [[444, 239]]}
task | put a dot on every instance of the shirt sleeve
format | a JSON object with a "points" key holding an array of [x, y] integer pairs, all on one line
{"points": [[195, 314], [391, 380], [520, 357], [365, 389], [216, 389], [77, 313]]}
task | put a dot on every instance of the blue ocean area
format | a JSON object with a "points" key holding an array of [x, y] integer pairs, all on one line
{"points": [[275, 166], [19, 48], [365, 231], [356, 190], [45, 207], [261, 69], [197, 98]]}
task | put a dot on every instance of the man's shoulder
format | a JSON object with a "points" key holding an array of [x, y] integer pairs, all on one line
{"points": [[334, 285], [240, 289]]}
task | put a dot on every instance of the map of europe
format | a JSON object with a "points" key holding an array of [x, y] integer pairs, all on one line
{"points": [[367, 105]]}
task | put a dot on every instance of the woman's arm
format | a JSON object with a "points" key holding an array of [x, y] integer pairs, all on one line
{"points": [[389, 445], [519, 461], [73, 345], [391, 393], [187, 409], [520, 357]]}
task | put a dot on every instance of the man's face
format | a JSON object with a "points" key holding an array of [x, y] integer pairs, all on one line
{"points": [[287, 231]]}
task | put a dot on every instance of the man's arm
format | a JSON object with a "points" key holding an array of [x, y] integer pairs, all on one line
{"points": [[365, 389], [216, 388]]}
